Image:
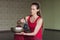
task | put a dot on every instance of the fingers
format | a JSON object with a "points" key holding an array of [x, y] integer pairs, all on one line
{"points": [[22, 20], [19, 33]]}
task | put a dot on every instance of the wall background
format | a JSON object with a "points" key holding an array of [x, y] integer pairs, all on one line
{"points": [[51, 14], [12, 10]]}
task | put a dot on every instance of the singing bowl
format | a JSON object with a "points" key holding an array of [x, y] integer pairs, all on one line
{"points": [[16, 29]]}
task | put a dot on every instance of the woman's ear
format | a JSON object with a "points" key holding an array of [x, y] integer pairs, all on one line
{"points": [[38, 9]]}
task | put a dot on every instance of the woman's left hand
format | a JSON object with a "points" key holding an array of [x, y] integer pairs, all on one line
{"points": [[22, 33]]}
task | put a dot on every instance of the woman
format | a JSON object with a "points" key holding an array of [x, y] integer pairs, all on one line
{"points": [[35, 23]]}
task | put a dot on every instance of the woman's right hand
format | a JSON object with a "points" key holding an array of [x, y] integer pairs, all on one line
{"points": [[22, 20], [19, 33]]}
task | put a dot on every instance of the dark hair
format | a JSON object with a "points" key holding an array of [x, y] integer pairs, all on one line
{"points": [[38, 6]]}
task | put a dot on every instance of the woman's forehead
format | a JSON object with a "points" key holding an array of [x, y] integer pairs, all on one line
{"points": [[33, 6]]}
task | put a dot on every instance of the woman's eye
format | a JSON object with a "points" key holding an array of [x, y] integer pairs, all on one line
{"points": [[32, 9]]}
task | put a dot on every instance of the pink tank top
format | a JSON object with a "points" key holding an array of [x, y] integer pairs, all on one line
{"points": [[32, 27]]}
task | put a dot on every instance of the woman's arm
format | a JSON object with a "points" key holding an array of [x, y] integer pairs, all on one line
{"points": [[23, 19], [38, 26]]}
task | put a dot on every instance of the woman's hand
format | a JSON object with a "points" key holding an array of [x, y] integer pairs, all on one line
{"points": [[22, 20], [22, 33]]}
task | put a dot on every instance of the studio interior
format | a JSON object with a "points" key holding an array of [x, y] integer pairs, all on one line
{"points": [[13, 10]]}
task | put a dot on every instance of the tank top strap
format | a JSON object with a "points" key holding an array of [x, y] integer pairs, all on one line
{"points": [[37, 18], [28, 18]]}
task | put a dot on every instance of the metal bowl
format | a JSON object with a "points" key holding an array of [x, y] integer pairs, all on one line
{"points": [[16, 29]]}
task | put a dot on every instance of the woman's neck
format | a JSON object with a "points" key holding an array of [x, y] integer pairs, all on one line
{"points": [[35, 16]]}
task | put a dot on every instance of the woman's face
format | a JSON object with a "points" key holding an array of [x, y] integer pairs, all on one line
{"points": [[34, 9]]}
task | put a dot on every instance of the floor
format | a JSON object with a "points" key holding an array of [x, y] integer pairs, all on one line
{"points": [[47, 35], [51, 35]]}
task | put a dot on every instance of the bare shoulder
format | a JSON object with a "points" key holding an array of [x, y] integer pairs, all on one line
{"points": [[40, 20], [27, 17]]}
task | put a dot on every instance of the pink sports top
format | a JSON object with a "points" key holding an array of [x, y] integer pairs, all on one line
{"points": [[33, 25]]}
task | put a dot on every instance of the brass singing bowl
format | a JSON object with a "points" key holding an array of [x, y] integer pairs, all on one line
{"points": [[16, 29]]}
